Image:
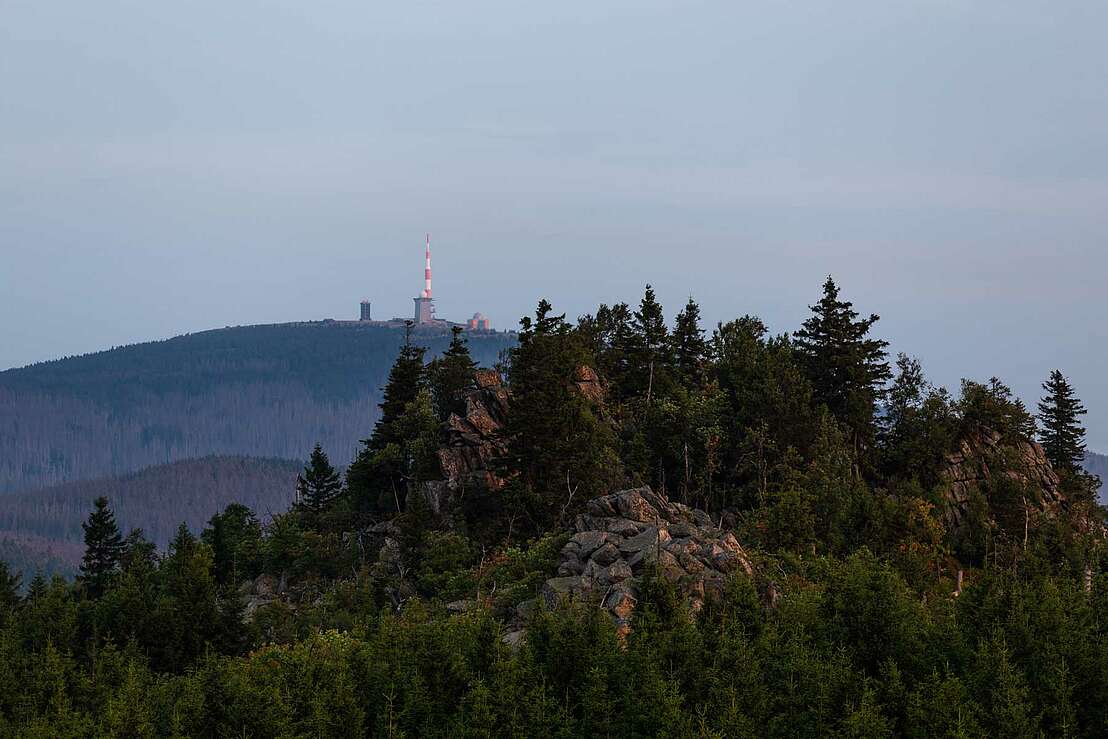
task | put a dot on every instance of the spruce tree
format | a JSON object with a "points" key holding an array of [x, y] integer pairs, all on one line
{"points": [[103, 549], [1062, 435], [9, 587], [608, 336], [451, 376], [846, 367], [187, 608], [37, 588], [690, 349], [138, 550], [406, 378], [375, 479], [650, 356], [318, 484], [235, 537], [560, 449]]}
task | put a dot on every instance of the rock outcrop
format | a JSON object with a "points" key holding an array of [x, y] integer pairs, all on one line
{"points": [[621, 533], [472, 442], [984, 455]]}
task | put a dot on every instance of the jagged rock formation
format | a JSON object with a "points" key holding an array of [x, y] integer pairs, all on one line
{"points": [[983, 455], [472, 442], [475, 440], [589, 384], [621, 533]]}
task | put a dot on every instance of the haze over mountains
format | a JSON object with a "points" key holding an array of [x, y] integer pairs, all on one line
{"points": [[40, 530], [268, 391]]}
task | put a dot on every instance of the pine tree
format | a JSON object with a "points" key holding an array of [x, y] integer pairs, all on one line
{"points": [[138, 550], [1062, 435], [690, 349], [406, 378], [318, 484], [188, 607], [235, 537], [375, 480], [650, 357], [560, 451], [103, 549], [451, 376], [608, 336], [847, 369], [9, 587], [37, 588]]}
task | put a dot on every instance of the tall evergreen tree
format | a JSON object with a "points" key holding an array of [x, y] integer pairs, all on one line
{"points": [[235, 537], [188, 607], [918, 427], [690, 349], [608, 336], [1062, 435], [406, 378], [37, 587], [560, 449], [9, 587], [318, 484], [770, 418], [847, 368], [103, 549], [376, 476], [138, 550], [451, 376], [649, 354]]}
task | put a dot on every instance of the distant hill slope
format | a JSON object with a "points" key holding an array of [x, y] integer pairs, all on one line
{"points": [[1097, 464], [270, 391], [41, 529]]}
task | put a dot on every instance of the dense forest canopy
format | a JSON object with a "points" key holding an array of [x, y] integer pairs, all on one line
{"points": [[269, 391], [631, 527]]}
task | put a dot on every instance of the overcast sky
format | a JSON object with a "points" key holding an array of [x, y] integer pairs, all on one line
{"points": [[172, 167]]}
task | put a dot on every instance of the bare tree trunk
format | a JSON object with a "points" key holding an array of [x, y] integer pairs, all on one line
{"points": [[569, 499], [688, 483], [1025, 522]]}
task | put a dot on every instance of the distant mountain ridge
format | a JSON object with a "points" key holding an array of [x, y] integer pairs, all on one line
{"points": [[270, 391], [41, 529]]}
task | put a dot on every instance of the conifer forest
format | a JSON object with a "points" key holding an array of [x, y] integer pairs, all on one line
{"points": [[626, 524]]}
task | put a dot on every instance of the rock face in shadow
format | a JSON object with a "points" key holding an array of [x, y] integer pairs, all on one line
{"points": [[622, 533], [475, 440], [984, 455], [472, 443]]}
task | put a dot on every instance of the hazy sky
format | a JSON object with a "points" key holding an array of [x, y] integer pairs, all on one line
{"points": [[171, 167]]}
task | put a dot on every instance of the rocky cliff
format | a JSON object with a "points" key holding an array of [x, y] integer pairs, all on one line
{"points": [[474, 441], [984, 455]]}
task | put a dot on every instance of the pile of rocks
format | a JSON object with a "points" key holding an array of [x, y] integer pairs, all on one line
{"points": [[621, 533]]}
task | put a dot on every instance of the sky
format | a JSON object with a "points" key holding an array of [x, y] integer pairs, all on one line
{"points": [[173, 167]]}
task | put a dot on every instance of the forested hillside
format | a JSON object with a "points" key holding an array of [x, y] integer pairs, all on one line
{"points": [[40, 530], [633, 528], [269, 391]]}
